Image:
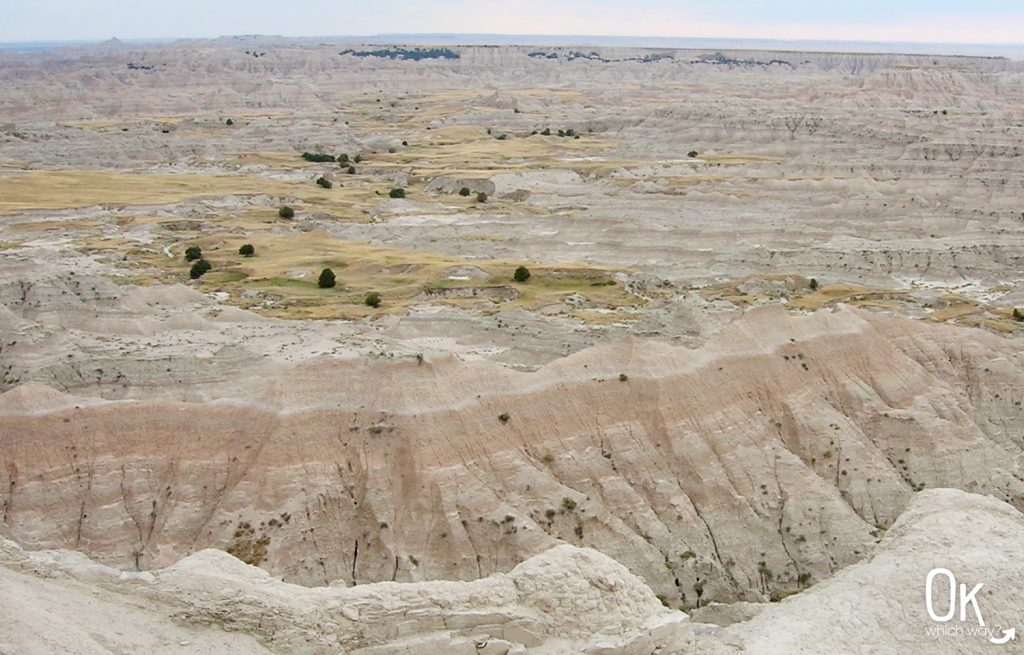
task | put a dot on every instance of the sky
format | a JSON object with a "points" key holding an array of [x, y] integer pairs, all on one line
{"points": [[935, 21]]}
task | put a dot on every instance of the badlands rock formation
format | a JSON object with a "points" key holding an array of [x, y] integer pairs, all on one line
{"points": [[771, 304], [566, 600]]}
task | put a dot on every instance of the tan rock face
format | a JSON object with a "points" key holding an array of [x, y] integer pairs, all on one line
{"points": [[766, 460]]}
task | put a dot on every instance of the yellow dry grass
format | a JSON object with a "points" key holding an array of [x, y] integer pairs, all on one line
{"points": [[25, 190]]}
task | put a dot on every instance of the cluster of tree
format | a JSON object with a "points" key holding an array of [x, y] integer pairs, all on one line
{"points": [[414, 54], [200, 266]]}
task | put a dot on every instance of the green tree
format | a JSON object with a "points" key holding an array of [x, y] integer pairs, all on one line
{"points": [[193, 253], [324, 182], [481, 197], [247, 250], [199, 268], [326, 280], [464, 191], [286, 212], [229, 122], [372, 299], [358, 158], [397, 193], [351, 170], [522, 274]]}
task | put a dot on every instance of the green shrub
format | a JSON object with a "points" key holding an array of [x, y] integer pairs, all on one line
{"points": [[1017, 314], [358, 158], [504, 417], [326, 280], [351, 170], [546, 132], [397, 193], [199, 268], [814, 284], [464, 191], [372, 299], [317, 157], [229, 122], [324, 182], [481, 197], [286, 212], [568, 504], [247, 250], [193, 253], [343, 159], [522, 274], [692, 154]]}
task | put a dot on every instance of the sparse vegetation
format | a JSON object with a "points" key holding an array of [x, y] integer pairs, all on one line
{"points": [[286, 212], [414, 54], [326, 279], [372, 299], [522, 274], [568, 504], [193, 253], [397, 193], [247, 250], [199, 269]]}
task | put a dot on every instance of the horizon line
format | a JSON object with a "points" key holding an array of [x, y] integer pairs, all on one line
{"points": [[477, 35]]}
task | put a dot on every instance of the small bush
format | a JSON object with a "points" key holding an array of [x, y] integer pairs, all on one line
{"points": [[522, 274], [504, 417], [405, 143], [324, 182], [692, 154], [464, 191], [623, 377], [814, 284], [392, 150], [343, 159], [546, 132], [286, 212], [193, 253], [199, 268], [247, 250], [229, 122], [481, 197], [326, 280], [397, 193], [358, 158], [372, 299], [1017, 314], [351, 170], [317, 157], [568, 504]]}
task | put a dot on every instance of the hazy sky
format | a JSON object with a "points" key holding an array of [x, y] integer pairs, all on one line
{"points": [[954, 21]]}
